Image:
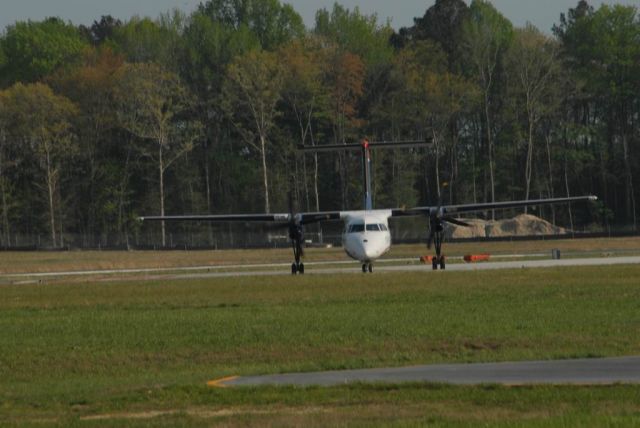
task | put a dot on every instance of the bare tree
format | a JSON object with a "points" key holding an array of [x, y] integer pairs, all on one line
{"points": [[251, 92], [533, 65], [151, 101], [41, 121]]}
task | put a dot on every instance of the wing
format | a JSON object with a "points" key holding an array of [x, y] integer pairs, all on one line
{"points": [[302, 218], [474, 208]]}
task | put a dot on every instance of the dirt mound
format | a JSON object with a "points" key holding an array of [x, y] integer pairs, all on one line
{"points": [[522, 225]]}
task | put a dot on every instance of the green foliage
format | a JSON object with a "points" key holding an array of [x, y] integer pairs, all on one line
{"points": [[210, 47], [270, 21], [251, 94], [144, 40], [356, 33], [239, 83], [32, 50], [150, 100], [441, 23], [101, 31], [40, 122]]}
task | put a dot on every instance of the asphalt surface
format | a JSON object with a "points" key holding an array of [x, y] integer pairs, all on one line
{"points": [[605, 371], [317, 268]]}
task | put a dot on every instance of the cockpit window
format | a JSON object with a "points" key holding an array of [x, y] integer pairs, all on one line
{"points": [[373, 228], [384, 228], [356, 228]]}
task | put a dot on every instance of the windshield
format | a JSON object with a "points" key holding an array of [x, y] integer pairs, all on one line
{"points": [[356, 228], [361, 227]]}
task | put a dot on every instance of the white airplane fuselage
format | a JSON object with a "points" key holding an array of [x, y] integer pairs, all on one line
{"points": [[366, 235]]}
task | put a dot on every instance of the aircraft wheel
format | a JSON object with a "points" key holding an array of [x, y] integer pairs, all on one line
{"points": [[370, 267], [301, 269], [442, 263], [434, 263], [364, 268], [294, 269]]}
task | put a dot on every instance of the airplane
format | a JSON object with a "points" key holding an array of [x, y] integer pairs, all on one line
{"points": [[366, 236]]}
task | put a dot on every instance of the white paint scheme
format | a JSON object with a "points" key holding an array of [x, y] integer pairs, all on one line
{"points": [[368, 245]]}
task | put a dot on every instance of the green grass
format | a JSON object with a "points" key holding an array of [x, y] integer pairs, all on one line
{"points": [[122, 349]]}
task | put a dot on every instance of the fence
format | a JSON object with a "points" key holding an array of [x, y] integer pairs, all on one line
{"points": [[243, 236]]}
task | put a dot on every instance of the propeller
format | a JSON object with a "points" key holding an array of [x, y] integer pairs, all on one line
{"points": [[296, 233], [437, 220], [455, 221]]}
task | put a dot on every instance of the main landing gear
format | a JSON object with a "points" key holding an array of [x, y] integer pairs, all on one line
{"points": [[297, 238], [436, 237], [367, 267], [438, 261]]}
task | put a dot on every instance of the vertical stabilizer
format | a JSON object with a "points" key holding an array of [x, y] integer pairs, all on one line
{"points": [[365, 148], [366, 172]]}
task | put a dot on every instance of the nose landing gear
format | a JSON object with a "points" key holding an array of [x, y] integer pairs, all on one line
{"points": [[297, 268], [367, 267], [438, 261]]}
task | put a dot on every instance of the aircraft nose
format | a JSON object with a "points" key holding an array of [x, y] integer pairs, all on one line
{"points": [[369, 250]]}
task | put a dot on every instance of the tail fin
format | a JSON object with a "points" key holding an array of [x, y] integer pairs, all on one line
{"points": [[365, 147]]}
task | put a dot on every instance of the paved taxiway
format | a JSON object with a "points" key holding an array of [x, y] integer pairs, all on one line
{"points": [[576, 372]]}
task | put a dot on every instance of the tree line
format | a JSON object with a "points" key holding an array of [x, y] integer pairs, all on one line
{"points": [[202, 113]]}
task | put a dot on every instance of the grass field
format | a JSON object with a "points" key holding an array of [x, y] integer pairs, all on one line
{"points": [[140, 353]]}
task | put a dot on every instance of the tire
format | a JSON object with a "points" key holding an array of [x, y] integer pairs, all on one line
{"points": [[301, 269], [364, 268], [442, 263], [370, 267], [294, 269], [434, 263]]}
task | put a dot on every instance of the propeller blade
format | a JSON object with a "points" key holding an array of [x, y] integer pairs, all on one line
{"points": [[291, 203], [430, 240], [456, 221]]}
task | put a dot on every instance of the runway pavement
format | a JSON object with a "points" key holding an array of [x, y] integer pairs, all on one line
{"points": [[575, 372], [317, 268], [457, 267]]}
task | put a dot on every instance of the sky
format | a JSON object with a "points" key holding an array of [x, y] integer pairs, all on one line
{"points": [[542, 13]]}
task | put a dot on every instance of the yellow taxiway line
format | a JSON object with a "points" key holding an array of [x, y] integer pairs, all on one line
{"points": [[219, 383]]}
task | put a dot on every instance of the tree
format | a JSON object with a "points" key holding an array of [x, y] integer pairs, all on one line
{"points": [[102, 30], [345, 80], [4, 182], [486, 36], [41, 122], [305, 63], [273, 23], [32, 50], [152, 104], [356, 33], [615, 76], [433, 99], [601, 49], [533, 67], [92, 88], [143, 40], [441, 23], [210, 45], [251, 92]]}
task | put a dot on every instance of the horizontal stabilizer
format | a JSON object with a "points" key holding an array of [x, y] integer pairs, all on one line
{"points": [[359, 146]]}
